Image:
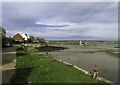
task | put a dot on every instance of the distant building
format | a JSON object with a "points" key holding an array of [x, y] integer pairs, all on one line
{"points": [[21, 37], [32, 38], [18, 38], [82, 43], [25, 36], [3, 35], [47, 41], [2, 31], [6, 41]]}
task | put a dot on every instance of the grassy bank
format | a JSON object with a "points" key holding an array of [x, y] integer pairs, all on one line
{"points": [[39, 67]]}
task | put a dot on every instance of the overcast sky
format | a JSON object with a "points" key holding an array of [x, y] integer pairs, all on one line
{"points": [[62, 20]]}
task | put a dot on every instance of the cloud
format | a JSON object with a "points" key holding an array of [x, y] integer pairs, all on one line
{"points": [[54, 26], [62, 20]]}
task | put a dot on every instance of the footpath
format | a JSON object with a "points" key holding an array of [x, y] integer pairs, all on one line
{"points": [[8, 63]]}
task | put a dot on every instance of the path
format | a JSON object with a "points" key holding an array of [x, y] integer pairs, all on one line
{"points": [[8, 63]]}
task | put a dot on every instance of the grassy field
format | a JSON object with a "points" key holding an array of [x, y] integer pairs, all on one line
{"points": [[39, 67]]}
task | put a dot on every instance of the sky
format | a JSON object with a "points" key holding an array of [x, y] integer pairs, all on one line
{"points": [[62, 20]]}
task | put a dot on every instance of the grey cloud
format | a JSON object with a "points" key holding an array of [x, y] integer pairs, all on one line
{"points": [[92, 12], [54, 26], [81, 37], [23, 16], [75, 12]]}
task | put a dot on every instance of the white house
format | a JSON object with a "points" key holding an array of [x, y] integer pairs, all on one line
{"points": [[21, 37], [25, 36]]}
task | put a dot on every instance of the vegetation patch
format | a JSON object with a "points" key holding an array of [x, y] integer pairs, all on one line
{"points": [[113, 52], [50, 48], [117, 47]]}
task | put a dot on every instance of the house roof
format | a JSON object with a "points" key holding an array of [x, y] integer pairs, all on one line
{"points": [[25, 36], [18, 37]]}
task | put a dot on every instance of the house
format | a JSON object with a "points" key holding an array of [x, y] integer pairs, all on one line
{"points": [[6, 41], [2, 31], [82, 43], [33, 39], [21, 37], [18, 38], [3, 35], [25, 36]]}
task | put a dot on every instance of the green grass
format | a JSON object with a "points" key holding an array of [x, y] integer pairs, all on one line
{"points": [[39, 67]]}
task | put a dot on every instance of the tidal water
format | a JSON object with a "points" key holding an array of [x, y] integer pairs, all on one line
{"points": [[89, 58]]}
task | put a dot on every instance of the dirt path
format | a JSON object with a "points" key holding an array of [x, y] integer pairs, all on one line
{"points": [[8, 63]]}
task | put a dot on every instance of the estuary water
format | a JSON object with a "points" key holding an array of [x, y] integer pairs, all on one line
{"points": [[89, 58]]}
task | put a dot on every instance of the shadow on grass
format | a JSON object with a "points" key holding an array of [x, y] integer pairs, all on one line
{"points": [[20, 52], [19, 49], [50, 48], [21, 75]]}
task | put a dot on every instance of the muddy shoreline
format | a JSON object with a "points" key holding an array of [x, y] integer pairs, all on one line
{"points": [[88, 57]]}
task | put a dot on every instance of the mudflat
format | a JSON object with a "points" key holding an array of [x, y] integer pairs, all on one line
{"points": [[87, 57]]}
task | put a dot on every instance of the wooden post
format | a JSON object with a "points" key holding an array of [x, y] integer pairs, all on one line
{"points": [[95, 73]]}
